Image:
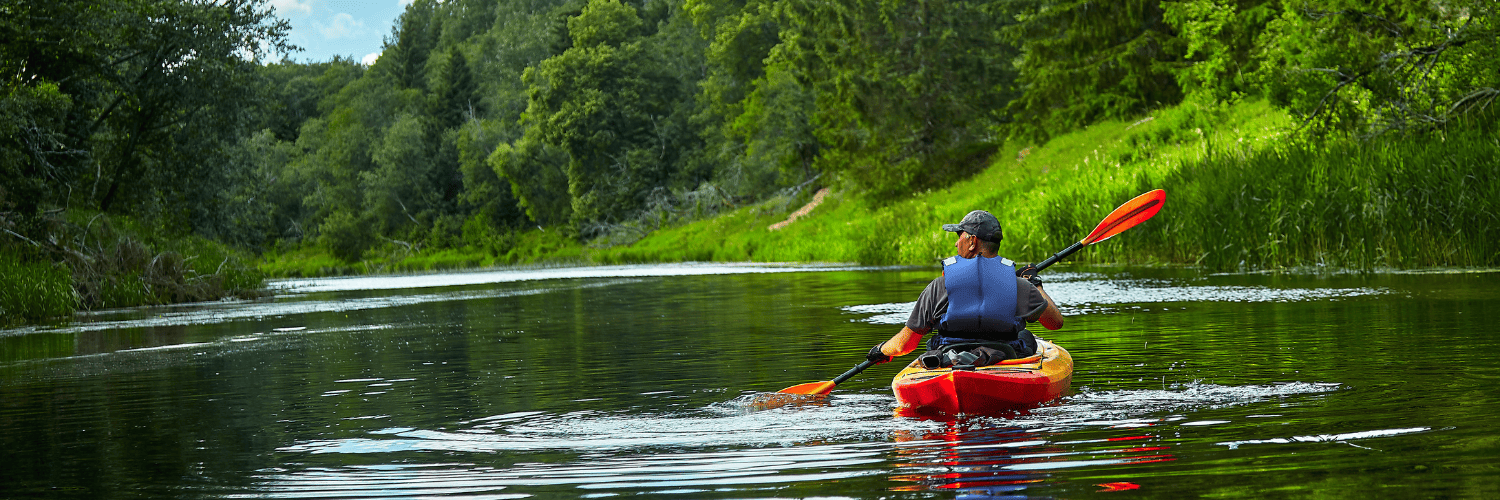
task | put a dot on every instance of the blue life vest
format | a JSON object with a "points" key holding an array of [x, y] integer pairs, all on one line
{"points": [[981, 299]]}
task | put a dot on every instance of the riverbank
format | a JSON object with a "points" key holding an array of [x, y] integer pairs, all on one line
{"points": [[1243, 194], [95, 261]]}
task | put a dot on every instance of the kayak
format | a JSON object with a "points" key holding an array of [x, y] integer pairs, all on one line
{"points": [[1010, 385]]}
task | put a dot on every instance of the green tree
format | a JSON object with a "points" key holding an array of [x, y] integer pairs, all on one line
{"points": [[904, 88], [455, 94], [35, 160], [1086, 60], [48, 51], [148, 85], [892, 94], [397, 193], [298, 92], [1219, 39], [407, 49], [754, 121], [486, 195], [538, 177], [1372, 67], [605, 101]]}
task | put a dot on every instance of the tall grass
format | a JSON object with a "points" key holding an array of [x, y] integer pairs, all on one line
{"points": [[1046, 197], [34, 291], [1241, 195], [1417, 202], [92, 261], [120, 264]]}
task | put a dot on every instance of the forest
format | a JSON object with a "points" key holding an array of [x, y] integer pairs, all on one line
{"points": [[159, 151]]}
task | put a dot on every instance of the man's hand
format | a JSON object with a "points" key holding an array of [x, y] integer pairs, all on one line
{"points": [[1029, 272], [877, 357]]}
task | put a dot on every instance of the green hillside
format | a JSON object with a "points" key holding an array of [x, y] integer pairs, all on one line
{"points": [[1241, 195]]}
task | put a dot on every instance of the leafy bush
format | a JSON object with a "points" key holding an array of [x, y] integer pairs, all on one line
{"points": [[345, 236]]}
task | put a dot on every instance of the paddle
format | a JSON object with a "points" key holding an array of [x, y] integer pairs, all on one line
{"points": [[820, 388], [1126, 216]]}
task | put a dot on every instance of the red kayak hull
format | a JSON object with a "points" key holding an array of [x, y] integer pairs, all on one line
{"points": [[1014, 384]]}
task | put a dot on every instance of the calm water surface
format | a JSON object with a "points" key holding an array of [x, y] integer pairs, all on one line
{"points": [[640, 382]]}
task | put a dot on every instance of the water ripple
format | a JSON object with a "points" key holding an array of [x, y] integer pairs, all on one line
{"points": [[1084, 297], [845, 437], [513, 275]]}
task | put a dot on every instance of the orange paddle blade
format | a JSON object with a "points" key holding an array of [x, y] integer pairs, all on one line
{"points": [[1133, 212], [819, 388]]}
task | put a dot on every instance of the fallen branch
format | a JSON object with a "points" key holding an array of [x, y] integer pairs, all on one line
{"points": [[28, 240]]}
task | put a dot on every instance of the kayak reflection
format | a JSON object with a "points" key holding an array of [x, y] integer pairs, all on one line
{"points": [[978, 462]]}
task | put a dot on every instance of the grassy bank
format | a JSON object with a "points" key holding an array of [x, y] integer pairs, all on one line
{"points": [[1389, 204], [1047, 197], [1242, 195], [93, 261]]}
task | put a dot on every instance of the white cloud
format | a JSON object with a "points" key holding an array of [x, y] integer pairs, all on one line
{"points": [[403, 3], [344, 26], [292, 7], [369, 59]]}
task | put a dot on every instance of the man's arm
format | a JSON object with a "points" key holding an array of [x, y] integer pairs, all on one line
{"points": [[1051, 318], [1044, 311], [903, 342], [909, 338]]}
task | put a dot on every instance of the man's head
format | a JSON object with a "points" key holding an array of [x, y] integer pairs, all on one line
{"points": [[979, 225]]}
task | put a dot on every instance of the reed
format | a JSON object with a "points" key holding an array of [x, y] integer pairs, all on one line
{"points": [[94, 261], [34, 292], [1410, 202], [114, 268]]}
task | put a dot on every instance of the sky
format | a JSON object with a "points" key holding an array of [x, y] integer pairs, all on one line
{"points": [[327, 28]]}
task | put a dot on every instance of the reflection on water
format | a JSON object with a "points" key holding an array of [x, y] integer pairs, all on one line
{"points": [[649, 381], [837, 438], [996, 462], [1342, 438]]}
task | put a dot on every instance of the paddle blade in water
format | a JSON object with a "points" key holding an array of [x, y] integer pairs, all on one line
{"points": [[1127, 216], [819, 388], [773, 400]]}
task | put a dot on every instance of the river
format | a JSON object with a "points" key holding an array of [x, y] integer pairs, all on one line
{"points": [[641, 382]]}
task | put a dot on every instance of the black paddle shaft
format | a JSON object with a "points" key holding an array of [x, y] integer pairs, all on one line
{"points": [[853, 371], [1059, 256]]}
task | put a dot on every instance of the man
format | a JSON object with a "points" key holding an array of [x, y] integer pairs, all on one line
{"points": [[980, 305]]}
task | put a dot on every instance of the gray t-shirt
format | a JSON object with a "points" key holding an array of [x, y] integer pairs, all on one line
{"points": [[933, 304]]}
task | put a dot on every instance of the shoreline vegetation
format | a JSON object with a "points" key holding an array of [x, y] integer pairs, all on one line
{"points": [[1241, 196], [100, 262], [167, 151]]}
